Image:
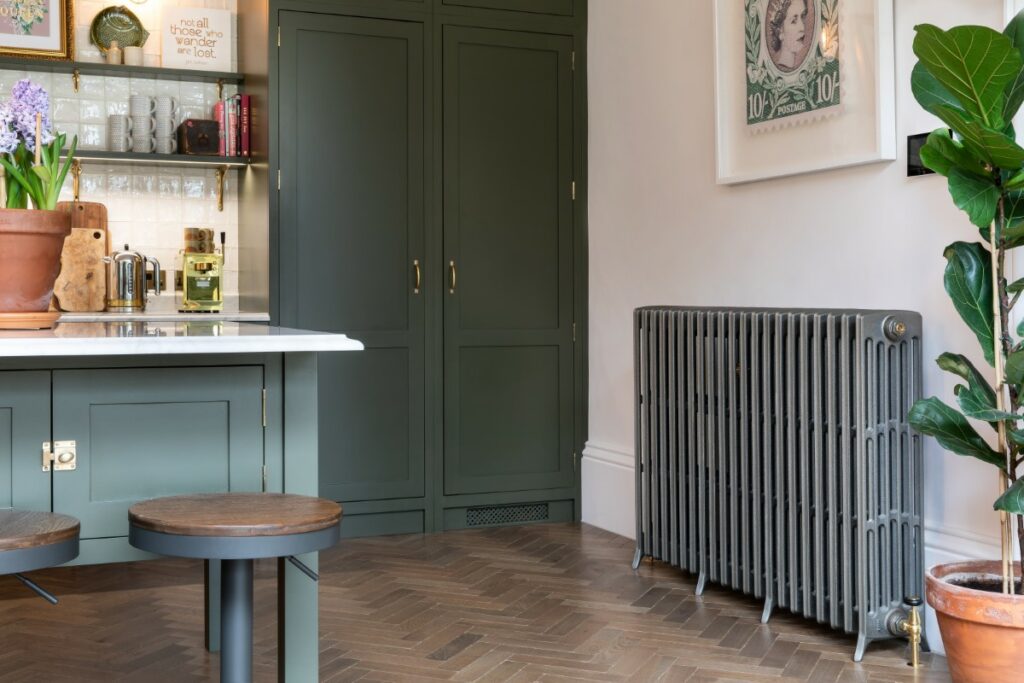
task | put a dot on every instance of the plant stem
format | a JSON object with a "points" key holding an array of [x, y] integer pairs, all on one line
{"points": [[1001, 342]]}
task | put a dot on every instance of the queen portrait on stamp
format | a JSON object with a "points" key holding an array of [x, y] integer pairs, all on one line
{"points": [[792, 61]]}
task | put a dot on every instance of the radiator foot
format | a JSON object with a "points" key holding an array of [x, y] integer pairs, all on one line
{"points": [[637, 556], [701, 580], [766, 613], [862, 644]]}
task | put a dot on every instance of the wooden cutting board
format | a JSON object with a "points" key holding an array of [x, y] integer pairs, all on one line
{"points": [[82, 284]]}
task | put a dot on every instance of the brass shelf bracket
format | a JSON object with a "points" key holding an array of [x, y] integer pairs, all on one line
{"points": [[76, 79], [220, 172], [76, 178]]}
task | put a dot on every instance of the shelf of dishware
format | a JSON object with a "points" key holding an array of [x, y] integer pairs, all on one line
{"points": [[156, 159], [122, 70]]}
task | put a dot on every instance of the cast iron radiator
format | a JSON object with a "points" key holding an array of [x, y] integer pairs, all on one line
{"points": [[774, 458]]}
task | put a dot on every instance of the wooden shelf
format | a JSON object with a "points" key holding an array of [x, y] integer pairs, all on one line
{"points": [[153, 159], [121, 70]]}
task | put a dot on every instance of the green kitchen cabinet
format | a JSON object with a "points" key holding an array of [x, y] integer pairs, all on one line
{"points": [[352, 95], [147, 432], [508, 129], [557, 7], [430, 163], [24, 428]]}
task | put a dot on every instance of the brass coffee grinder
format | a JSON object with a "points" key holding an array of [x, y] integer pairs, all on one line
{"points": [[202, 269]]}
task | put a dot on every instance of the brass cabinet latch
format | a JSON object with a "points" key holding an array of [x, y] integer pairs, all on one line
{"points": [[60, 455]]}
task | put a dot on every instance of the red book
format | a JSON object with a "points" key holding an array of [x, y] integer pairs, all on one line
{"points": [[218, 114], [246, 151]]}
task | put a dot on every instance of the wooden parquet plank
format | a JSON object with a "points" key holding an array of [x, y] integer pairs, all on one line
{"points": [[513, 604]]}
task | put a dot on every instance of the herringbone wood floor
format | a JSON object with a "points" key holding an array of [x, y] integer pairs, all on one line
{"points": [[538, 603]]}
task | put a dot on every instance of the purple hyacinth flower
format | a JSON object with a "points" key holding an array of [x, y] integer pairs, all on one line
{"points": [[27, 100]]}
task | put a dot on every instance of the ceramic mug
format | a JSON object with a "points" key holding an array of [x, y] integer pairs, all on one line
{"points": [[166, 106], [132, 55], [164, 126], [166, 145], [143, 125], [142, 143], [141, 105], [119, 131]]}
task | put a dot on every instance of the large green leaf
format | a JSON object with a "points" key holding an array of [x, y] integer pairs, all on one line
{"points": [[951, 429], [928, 92], [974, 63], [991, 145], [976, 195], [941, 153], [1014, 95], [1015, 367], [968, 282], [1013, 500], [977, 399]]}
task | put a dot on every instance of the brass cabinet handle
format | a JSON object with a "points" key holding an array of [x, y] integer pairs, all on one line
{"points": [[416, 269], [451, 277]]}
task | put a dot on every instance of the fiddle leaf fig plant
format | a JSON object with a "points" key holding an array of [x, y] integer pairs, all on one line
{"points": [[972, 79]]}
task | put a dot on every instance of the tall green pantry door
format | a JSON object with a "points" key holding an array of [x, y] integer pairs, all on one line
{"points": [[352, 150], [508, 321]]}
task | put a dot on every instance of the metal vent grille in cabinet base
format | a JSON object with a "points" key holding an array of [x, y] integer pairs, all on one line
{"points": [[506, 514], [774, 457]]}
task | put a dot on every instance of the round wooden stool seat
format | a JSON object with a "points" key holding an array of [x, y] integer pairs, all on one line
{"points": [[236, 528], [33, 540]]}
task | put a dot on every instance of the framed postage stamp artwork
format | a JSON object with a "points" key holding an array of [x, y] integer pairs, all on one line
{"points": [[37, 28], [802, 86]]}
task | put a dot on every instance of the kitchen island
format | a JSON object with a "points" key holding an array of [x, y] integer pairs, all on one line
{"points": [[97, 416]]}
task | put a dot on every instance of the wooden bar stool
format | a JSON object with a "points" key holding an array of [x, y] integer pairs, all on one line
{"points": [[236, 528], [32, 540]]}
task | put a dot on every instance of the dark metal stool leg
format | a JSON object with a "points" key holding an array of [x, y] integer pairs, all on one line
{"points": [[236, 621]]}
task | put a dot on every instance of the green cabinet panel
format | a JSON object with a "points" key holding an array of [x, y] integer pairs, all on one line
{"points": [[351, 116], [24, 427], [508, 376], [559, 7], [144, 433]]}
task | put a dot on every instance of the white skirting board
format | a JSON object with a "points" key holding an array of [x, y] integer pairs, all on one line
{"points": [[608, 482]]}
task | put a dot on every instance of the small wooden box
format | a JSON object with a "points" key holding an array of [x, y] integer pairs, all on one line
{"points": [[198, 136]]}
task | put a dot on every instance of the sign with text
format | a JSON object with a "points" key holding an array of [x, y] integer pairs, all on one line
{"points": [[197, 38]]}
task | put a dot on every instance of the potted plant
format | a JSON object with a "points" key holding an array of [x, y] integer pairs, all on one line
{"points": [[30, 239], [972, 78]]}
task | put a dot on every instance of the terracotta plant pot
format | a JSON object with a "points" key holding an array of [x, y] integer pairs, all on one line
{"points": [[30, 246], [983, 631]]}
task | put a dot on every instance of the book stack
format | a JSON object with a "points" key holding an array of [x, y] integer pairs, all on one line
{"points": [[233, 122]]}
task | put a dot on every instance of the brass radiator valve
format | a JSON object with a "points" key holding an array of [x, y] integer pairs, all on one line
{"points": [[909, 624]]}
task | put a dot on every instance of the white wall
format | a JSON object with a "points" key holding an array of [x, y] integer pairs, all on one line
{"points": [[662, 232]]}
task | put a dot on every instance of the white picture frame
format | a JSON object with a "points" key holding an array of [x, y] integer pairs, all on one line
{"points": [[861, 131]]}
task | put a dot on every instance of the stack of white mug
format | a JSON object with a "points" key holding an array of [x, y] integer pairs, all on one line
{"points": [[150, 126]]}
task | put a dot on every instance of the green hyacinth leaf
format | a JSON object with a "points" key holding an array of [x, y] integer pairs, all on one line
{"points": [[968, 282], [941, 153], [977, 196], [974, 63], [932, 417], [1013, 500]]}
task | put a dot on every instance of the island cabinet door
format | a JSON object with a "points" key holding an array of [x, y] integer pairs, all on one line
{"points": [[24, 427], [145, 433]]}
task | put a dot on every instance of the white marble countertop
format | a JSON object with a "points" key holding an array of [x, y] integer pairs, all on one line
{"points": [[163, 338]]}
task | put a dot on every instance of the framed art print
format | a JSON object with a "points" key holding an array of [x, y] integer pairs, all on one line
{"points": [[802, 86], [37, 28]]}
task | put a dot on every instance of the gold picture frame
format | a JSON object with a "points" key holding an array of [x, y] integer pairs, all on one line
{"points": [[20, 19]]}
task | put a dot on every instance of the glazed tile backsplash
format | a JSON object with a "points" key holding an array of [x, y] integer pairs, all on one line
{"points": [[148, 206]]}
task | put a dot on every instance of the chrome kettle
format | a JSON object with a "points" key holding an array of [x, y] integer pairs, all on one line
{"points": [[126, 280]]}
